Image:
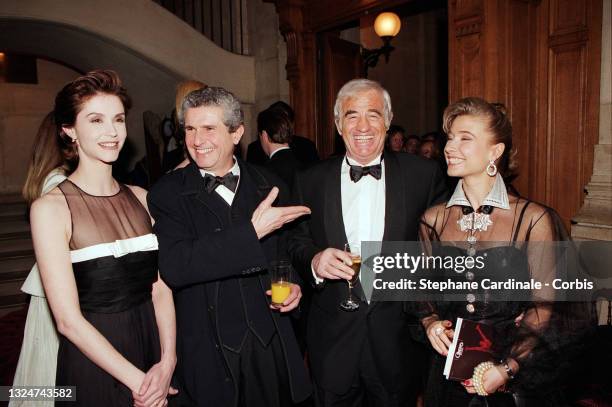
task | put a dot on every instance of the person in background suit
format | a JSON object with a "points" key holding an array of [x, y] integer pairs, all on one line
{"points": [[366, 357], [303, 148], [275, 133], [217, 237]]}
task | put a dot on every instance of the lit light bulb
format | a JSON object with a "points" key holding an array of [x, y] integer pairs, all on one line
{"points": [[387, 24]]}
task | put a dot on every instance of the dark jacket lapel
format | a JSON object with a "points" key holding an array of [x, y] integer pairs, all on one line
{"points": [[252, 189], [334, 219], [194, 185], [334, 223], [395, 205]]}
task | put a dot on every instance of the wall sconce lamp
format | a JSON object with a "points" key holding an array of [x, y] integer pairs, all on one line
{"points": [[387, 25]]}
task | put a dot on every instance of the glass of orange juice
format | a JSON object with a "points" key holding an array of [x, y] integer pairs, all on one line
{"points": [[281, 281]]}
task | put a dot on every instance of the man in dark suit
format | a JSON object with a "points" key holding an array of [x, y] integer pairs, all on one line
{"points": [[275, 132], [217, 237], [368, 356], [303, 148]]}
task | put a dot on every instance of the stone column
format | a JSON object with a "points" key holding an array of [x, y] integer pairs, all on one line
{"points": [[594, 221]]}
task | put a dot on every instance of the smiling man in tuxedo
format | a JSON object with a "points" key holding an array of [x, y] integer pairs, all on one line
{"points": [[217, 232], [367, 357]]}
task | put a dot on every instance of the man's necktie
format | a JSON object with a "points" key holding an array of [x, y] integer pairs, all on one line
{"points": [[358, 171], [229, 180]]}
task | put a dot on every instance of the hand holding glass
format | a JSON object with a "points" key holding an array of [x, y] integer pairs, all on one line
{"points": [[355, 252], [281, 282]]}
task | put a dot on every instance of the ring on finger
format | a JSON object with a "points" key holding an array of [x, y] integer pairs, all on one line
{"points": [[438, 331]]}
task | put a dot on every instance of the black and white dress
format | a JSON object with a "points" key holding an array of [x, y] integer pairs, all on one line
{"points": [[114, 258]]}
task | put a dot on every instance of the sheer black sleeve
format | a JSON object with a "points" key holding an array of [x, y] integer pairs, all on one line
{"points": [[549, 334], [429, 227]]}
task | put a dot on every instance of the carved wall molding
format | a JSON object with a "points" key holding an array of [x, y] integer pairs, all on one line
{"points": [[541, 59], [579, 38], [468, 26]]}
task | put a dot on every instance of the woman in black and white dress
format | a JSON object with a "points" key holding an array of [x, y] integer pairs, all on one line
{"points": [[97, 258]]}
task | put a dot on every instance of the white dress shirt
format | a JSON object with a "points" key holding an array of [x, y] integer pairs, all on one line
{"points": [[279, 149], [224, 192], [363, 206]]}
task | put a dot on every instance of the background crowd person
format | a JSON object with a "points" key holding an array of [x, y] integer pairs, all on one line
{"points": [[429, 149], [412, 144], [97, 259], [303, 148], [275, 132], [395, 138]]}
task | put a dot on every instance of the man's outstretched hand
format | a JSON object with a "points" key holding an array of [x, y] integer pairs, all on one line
{"points": [[267, 218]]}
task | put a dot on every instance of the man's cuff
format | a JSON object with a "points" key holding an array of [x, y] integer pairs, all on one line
{"points": [[317, 279]]}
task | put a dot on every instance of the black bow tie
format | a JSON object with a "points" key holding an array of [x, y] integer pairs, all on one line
{"points": [[486, 209], [229, 180], [358, 171]]}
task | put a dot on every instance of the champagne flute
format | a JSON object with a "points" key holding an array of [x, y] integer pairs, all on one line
{"points": [[350, 304]]}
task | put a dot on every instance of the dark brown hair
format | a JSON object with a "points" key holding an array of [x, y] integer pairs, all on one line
{"points": [[45, 157], [70, 100], [276, 124], [498, 123]]}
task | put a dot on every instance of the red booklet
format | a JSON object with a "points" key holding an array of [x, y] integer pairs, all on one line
{"points": [[472, 345]]}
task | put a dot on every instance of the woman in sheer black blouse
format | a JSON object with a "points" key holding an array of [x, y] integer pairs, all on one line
{"points": [[483, 211]]}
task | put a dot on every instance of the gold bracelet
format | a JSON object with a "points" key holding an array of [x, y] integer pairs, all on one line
{"points": [[478, 376]]}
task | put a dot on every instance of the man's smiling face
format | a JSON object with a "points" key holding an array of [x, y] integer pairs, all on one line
{"points": [[362, 125], [208, 140]]}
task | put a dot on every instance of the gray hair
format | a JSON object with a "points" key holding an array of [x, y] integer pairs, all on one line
{"points": [[362, 85], [233, 116]]}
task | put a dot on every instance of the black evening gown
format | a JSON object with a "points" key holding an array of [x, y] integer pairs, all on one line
{"points": [[114, 258], [542, 344]]}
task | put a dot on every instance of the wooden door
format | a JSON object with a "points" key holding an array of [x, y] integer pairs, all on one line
{"points": [[340, 62], [542, 60]]}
